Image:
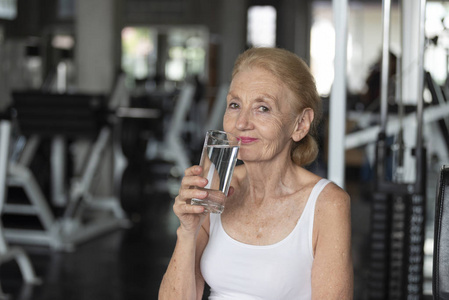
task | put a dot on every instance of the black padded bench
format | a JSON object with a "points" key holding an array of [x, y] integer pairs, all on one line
{"points": [[51, 114]]}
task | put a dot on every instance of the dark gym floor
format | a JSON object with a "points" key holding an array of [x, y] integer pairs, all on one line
{"points": [[124, 264], [129, 264]]}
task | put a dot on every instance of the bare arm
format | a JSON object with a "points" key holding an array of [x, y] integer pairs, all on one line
{"points": [[332, 273], [183, 279]]}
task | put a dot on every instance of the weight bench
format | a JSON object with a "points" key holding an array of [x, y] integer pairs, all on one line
{"points": [[60, 117], [440, 278]]}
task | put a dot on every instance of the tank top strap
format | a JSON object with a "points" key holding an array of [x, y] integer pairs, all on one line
{"points": [[309, 210], [319, 186]]}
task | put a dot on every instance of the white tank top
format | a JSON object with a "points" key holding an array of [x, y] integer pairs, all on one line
{"points": [[281, 271]]}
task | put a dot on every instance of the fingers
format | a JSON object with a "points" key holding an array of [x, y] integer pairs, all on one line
{"points": [[191, 187], [192, 178], [193, 170], [181, 208], [187, 194]]}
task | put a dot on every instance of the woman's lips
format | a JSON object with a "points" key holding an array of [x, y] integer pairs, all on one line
{"points": [[246, 139]]}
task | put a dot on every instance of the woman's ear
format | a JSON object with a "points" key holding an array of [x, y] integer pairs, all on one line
{"points": [[302, 126]]}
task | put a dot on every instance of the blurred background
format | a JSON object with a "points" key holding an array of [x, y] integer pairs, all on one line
{"points": [[104, 103]]}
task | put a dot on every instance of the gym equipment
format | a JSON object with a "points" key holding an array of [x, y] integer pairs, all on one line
{"points": [[440, 280], [215, 120], [145, 118], [131, 189], [169, 152], [397, 207], [438, 98], [145, 186], [142, 125], [133, 139], [62, 116], [8, 253], [174, 148]]}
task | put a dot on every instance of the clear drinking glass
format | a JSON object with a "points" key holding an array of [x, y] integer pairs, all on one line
{"points": [[218, 160]]}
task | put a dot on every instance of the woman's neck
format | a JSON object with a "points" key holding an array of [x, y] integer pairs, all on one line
{"points": [[270, 180]]}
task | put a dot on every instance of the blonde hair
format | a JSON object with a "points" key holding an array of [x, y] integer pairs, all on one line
{"points": [[295, 74]]}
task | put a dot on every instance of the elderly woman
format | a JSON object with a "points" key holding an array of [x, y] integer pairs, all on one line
{"points": [[285, 232]]}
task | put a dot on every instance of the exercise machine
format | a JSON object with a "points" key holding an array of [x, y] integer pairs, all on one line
{"points": [[398, 205], [81, 215], [8, 253]]}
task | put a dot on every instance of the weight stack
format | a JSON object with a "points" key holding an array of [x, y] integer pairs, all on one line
{"points": [[415, 237], [380, 237], [397, 246], [414, 248], [396, 264]]}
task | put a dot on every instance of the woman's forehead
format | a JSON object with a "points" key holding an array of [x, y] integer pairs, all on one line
{"points": [[256, 76], [259, 81]]}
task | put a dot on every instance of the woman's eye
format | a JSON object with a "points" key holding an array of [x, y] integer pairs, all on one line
{"points": [[263, 109], [233, 105]]}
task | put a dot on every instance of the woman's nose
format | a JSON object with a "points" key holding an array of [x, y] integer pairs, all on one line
{"points": [[243, 120]]}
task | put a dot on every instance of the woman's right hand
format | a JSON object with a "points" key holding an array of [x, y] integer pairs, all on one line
{"points": [[190, 216]]}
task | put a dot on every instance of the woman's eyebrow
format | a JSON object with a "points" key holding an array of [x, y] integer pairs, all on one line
{"points": [[262, 97], [268, 98], [231, 95]]}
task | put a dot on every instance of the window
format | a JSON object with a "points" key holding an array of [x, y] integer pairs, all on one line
{"points": [[8, 9], [183, 52], [261, 29], [138, 52]]}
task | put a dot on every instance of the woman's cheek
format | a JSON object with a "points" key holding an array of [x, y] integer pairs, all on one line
{"points": [[227, 122]]}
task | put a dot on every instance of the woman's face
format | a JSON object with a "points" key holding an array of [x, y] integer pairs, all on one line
{"points": [[259, 113]]}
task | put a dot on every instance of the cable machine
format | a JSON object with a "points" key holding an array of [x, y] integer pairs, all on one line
{"points": [[398, 207]]}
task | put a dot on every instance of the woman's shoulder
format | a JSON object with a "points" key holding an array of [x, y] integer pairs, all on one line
{"points": [[333, 203], [333, 193]]}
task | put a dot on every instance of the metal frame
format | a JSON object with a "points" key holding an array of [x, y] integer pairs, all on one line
{"points": [[370, 134], [337, 113], [85, 215], [173, 148], [65, 232], [69, 230], [8, 253], [398, 207], [58, 163]]}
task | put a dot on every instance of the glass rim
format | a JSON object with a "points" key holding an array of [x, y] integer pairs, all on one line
{"points": [[237, 139]]}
